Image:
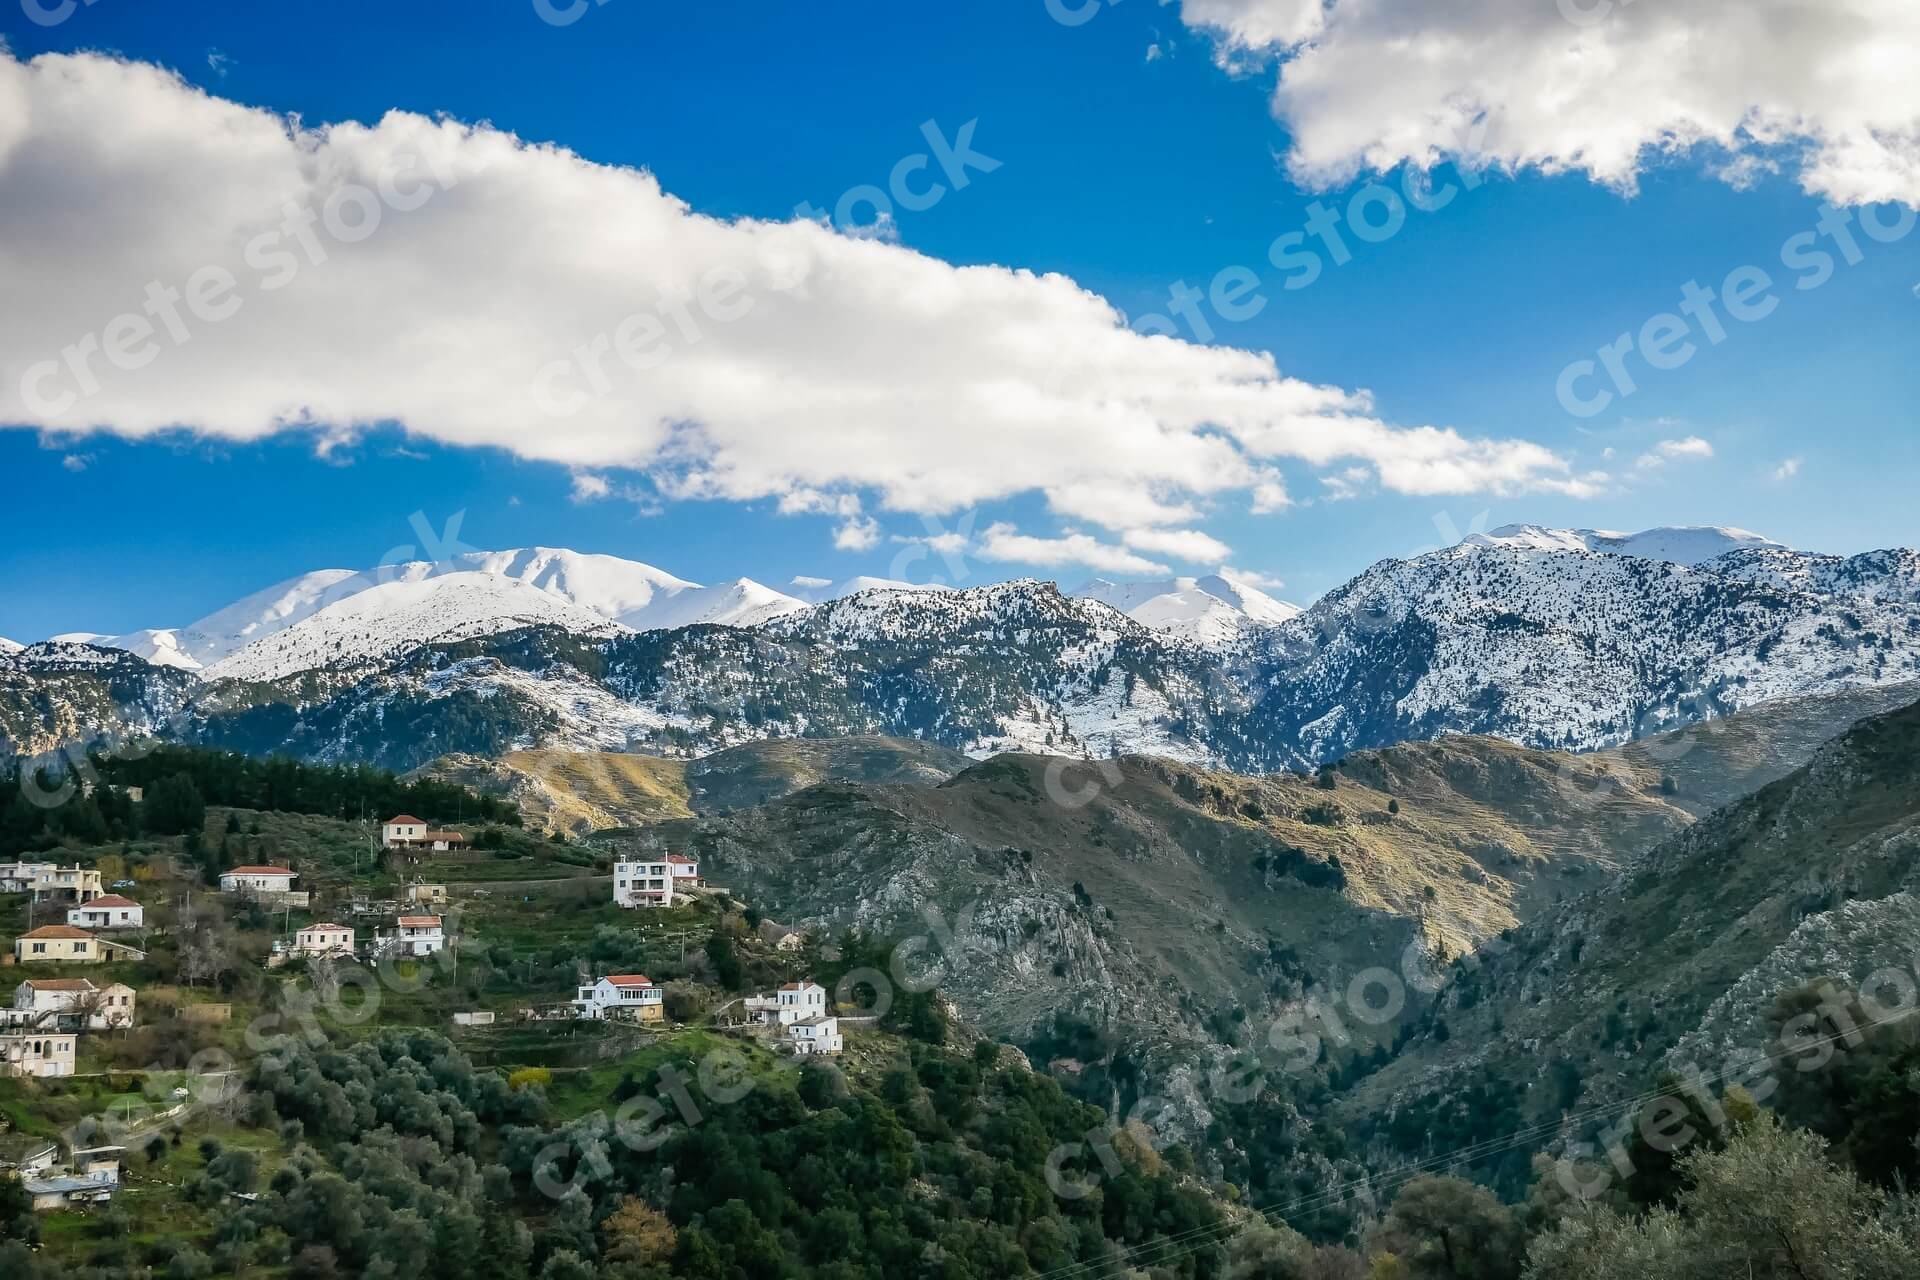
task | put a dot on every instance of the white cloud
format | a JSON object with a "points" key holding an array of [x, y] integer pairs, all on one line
{"points": [[860, 533], [806, 583], [1787, 470], [1004, 543], [1190, 545], [77, 461], [859, 366], [1594, 86], [588, 487], [1350, 483], [1252, 577], [1692, 447]]}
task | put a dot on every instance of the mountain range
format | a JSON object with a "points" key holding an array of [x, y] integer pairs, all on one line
{"points": [[1523, 633]]}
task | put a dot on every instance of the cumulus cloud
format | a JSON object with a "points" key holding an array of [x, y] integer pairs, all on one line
{"points": [[1693, 447], [860, 533], [1787, 470], [588, 487], [479, 290], [1006, 544], [1594, 86], [1182, 544]]}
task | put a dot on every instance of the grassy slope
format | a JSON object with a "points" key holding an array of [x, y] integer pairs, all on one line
{"points": [[582, 791]]}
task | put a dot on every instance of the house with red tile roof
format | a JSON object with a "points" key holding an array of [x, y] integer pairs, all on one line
{"points": [[109, 911]]}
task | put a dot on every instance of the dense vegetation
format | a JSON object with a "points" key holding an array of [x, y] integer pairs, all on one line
{"points": [[46, 808], [294, 786]]}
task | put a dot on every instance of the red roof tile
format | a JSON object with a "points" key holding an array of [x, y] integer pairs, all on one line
{"points": [[630, 980], [259, 871], [111, 900], [57, 931]]}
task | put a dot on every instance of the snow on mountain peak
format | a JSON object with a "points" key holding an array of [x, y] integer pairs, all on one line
{"points": [[1213, 609], [10, 646], [626, 592], [1682, 545], [392, 617]]}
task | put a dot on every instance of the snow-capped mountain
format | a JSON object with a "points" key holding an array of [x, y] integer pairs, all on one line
{"points": [[634, 595], [740, 603], [396, 617], [818, 591], [10, 646], [1687, 545], [1531, 635], [1216, 609]]}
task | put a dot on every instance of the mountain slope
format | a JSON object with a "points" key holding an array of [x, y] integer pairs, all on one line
{"points": [[1547, 648], [1677, 961], [1210, 890], [585, 791], [55, 695], [1578, 650]]}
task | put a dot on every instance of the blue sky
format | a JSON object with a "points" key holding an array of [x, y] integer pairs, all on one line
{"points": [[1123, 171]]}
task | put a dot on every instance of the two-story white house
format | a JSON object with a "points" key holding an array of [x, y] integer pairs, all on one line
{"points": [[108, 911], [630, 996], [325, 939], [400, 830], [41, 1054], [418, 936], [68, 1001], [798, 1001], [653, 882], [257, 880]]}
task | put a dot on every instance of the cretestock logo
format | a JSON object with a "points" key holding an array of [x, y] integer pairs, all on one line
{"points": [[52, 15]]}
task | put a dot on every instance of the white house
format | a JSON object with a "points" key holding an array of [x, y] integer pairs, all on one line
{"points": [[799, 1001], [409, 832], [815, 1035], [622, 995], [651, 883], [257, 880], [403, 829], [418, 936], [109, 911], [324, 939], [92, 1178], [69, 999], [41, 1054]]}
